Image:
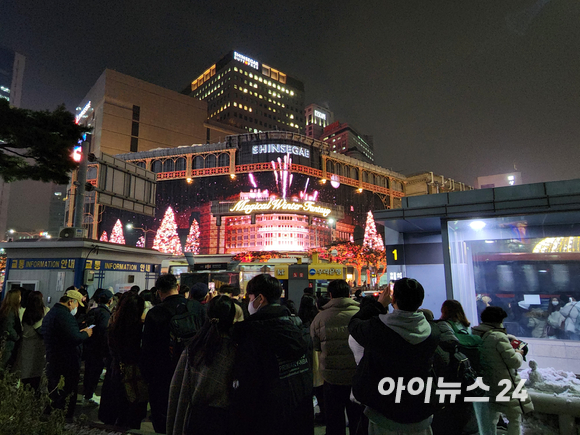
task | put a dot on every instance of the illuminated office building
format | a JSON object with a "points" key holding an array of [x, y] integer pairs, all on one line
{"points": [[317, 118], [250, 95], [344, 139], [11, 75]]}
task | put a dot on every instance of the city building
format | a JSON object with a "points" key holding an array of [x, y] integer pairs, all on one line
{"points": [[317, 118], [344, 139], [246, 94], [131, 115], [499, 180], [11, 76]]}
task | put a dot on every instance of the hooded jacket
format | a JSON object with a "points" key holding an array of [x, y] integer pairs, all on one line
{"points": [[329, 331], [399, 344], [272, 377]]}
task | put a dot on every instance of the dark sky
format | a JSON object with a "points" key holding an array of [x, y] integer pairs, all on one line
{"points": [[463, 88]]}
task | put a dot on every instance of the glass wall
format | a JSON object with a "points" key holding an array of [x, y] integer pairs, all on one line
{"points": [[528, 265]]}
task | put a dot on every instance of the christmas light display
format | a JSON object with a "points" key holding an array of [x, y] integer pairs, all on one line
{"points": [[117, 234], [104, 237], [192, 243], [166, 238], [372, 239], [140, 242]]}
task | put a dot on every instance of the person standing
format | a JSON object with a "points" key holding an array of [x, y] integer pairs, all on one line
{"points": [[96, 349], [160, 353], [63, 340], [10, 327], [272, 378], [329, 331], [31, 359]]}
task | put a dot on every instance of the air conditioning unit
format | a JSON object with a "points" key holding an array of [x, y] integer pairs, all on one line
{"points": [[72, 233]]}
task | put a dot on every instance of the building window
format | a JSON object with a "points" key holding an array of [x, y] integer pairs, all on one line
{"points": [[135, 129], [136, 113], [134, 144]]}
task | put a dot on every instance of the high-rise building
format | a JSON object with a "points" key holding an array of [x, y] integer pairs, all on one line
{"points": [[344, 139], [250, 95], [11, 75], [317, 118], [130, 115]]}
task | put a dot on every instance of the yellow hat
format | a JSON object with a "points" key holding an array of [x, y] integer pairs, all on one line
{"points": [[73, 294]]}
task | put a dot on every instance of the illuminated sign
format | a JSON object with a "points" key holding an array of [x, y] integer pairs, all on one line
{"points": [[77, 153], [283, 149], [281, 271], [248, 207], [83, 112], [245, 60], [326, 271], [320, 115], [43, 263]]}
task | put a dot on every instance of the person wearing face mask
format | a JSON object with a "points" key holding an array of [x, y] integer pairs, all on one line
{"points": [[272, 388], [63, 339]]}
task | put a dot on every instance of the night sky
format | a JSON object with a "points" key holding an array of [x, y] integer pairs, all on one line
{"points": [[463, 88]]}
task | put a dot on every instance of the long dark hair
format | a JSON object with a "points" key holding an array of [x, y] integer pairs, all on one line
{"points": [[127, 316], [34, 308], [452, 310], [308, 310], [10, 304], [206, 344]]}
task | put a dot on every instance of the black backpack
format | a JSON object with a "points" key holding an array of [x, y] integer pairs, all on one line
{"points": [[183, 326]]}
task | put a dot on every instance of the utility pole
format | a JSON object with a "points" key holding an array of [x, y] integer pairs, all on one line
{"points": [[79, 206]]}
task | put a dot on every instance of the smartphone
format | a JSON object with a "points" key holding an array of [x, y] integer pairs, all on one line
{"points": [[90, 327]]}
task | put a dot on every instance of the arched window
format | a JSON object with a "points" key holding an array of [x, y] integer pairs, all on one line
{"points": [[330, 167], [224, 159], [180, 164], [156, 166], [168, 165], [210, 161], [198, 162]]}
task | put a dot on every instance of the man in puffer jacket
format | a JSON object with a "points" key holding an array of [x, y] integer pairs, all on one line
{"points": [[499, 362], [329, 331]]}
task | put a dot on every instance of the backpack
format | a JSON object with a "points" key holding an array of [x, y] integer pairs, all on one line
{"points": [[457, 369], [469, 345], [183, 326]]}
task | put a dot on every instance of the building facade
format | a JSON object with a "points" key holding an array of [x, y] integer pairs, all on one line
{"points": [[344, 139], [11, 76], [131, 115], [317, 118], [499, 180], [246, 94]]}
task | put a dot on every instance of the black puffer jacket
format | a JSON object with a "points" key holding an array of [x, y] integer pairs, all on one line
{"points": [[271, 374]]}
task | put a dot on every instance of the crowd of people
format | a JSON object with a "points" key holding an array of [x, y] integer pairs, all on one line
{"points": [[210, 363]]}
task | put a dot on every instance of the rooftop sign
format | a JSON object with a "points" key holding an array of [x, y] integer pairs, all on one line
{"points": [[248, 207], [245, 60], [282, 149]]}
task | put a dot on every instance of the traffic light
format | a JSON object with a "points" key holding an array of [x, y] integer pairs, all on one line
{"points": [[77, 154]]}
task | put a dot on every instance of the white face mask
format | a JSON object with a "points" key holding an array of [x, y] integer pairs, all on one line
{"points": [[251, 309], [554, 302], [74, 310]]}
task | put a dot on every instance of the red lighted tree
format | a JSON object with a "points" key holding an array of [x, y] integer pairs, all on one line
{"points": [[140, 242], [372, 239], [166, 238], [117, 234], [104, 237], [192, 243]]}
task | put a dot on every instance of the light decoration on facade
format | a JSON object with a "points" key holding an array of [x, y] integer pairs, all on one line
{"points": [[283, 174], [557, 245], [166, 238], [252, 179], [83, 112], [246, 60], [192, 243], [304, 193], [140, 242], [334, 182], [281, 149], [104, 237], [248, 207], [117, 234], [372, 240]]}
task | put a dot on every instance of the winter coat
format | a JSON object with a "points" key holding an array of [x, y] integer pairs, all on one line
{"points": [[400, 344], [206, 386], [97, 346], [537, 322], [31, 359], [570, 312], [62, 339], [11, 331], [272, 376], [500, 361], [329, 331]]}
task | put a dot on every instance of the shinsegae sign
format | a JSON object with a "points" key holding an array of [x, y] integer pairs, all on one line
{"points": [[281, 149], [248, 207]]}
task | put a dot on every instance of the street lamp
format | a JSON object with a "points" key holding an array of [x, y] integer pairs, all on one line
{"points": [[130, 226]]}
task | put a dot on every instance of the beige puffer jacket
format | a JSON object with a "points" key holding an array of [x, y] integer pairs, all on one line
{"points": [[329, 331], [500, 361]]}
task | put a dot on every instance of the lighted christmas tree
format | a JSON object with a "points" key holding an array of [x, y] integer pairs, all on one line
{"points": [[140, 242], [372, 239], [117, 234], [166, 238], [104, 237], [192, 243]]}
